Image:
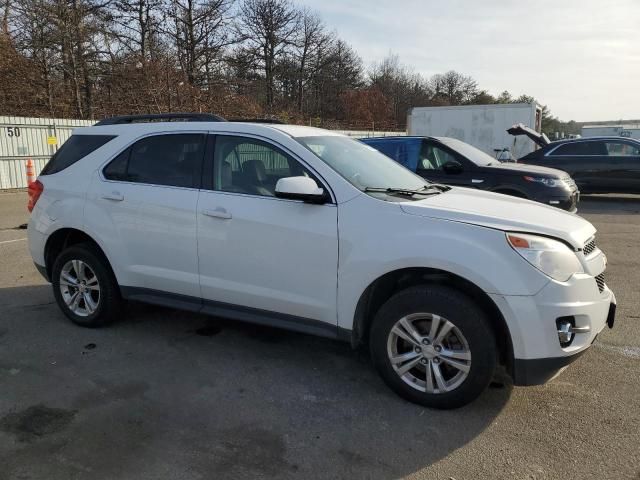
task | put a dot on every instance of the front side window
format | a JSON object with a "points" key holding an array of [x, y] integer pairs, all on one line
{"points": [[250, 166], [621, 149], [74, 149], [172, 160], [433, 158]]}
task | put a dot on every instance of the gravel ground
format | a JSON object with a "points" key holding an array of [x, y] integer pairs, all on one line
{"points": [[171, 395]]}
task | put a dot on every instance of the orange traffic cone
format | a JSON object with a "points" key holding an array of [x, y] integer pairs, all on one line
{"points": [[31, 172]]}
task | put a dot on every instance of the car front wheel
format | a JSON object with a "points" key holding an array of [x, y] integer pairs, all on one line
{"points": [[433, 346]]}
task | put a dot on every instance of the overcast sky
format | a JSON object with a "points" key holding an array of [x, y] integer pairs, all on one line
{"points": [[579, 57]]}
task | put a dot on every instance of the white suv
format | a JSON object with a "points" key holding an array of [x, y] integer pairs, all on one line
{"points": [[306, 229]]}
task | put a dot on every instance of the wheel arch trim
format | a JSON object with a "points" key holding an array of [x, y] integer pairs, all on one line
{"points": [[396, 280]]}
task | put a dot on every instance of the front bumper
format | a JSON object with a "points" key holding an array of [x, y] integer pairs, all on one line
{"points": [[537, 371], [537, 353], [568, 200]]}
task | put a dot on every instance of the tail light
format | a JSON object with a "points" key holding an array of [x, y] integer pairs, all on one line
{"points": [[35, 190]]}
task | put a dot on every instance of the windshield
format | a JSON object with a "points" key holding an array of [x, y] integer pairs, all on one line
{"points": [[468, 151], [361, 165]]}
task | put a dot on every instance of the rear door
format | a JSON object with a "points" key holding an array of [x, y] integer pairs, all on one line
{"points": [[624, 166], [144, 207]]}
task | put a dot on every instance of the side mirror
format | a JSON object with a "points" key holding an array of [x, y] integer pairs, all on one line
{"points": [[300, 188], [452, 167]]}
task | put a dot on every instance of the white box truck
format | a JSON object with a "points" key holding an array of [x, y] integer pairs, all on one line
{"points": [[626, 131], [483, 126]]}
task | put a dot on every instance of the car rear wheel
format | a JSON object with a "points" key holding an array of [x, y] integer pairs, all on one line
{"points": [[433, 346], [84, 286]]}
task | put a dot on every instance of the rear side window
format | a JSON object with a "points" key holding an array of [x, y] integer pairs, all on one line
{"points": [[74, 149], [581, 148], [171, 160]]}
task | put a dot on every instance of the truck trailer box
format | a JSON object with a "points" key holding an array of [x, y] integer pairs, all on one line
{"points": [[625, 131], [483, 126]]}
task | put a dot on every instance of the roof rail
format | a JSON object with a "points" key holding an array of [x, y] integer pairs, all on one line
{"points": [[274, 121], [161, 117]]}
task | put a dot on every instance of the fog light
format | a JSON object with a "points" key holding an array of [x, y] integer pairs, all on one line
{"points": [[567, 330], [565, 335]]}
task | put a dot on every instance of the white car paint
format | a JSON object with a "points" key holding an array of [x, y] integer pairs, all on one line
{"points": [[315, 261]]}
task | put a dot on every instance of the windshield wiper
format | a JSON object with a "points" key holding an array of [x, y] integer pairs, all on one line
{"points": [[405, 191], [439, 186]]}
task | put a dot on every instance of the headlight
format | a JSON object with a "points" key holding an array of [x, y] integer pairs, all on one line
{"points": [[549, 256], [549, 182]]}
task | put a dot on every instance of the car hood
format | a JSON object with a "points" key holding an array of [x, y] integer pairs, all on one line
{"points": [[525, 169], [537, 137], [502, 212]]}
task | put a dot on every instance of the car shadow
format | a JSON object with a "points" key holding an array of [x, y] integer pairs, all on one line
{"points": [[167, 394], [609, 204]]}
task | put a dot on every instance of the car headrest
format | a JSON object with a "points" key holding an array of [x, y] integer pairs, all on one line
{"points": [[254, 171]]}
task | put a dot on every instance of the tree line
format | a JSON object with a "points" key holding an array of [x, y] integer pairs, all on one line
{"points": [[235, 58]]}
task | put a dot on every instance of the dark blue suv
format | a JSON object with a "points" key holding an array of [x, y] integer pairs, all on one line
{"points": [[453, 162]]}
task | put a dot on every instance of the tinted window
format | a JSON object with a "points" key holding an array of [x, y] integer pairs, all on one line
{"points": [[581, 148], [245, 165], [433, 158], [468, 151], [117, 169], [621, 149], [77, 147], [405, 151], [173, 160]]}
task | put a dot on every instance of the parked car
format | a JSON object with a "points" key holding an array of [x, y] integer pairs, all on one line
{"points": [[597, 164], [309, 230], [453, 162]]}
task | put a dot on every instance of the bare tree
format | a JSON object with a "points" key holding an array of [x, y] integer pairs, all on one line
{"points": [[6, 11], [199, 31], [267, 28], [136, 24], [403, 87], [453, 87], [311, 36]]}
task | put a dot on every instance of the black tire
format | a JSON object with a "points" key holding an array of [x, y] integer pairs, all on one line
{"points": [[109, 303], [465, 315]]}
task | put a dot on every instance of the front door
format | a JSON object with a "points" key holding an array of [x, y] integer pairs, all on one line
{"points": [[262, 257]]}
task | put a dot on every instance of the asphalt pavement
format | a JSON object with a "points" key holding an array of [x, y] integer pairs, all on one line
{"points": [[164, 394]]}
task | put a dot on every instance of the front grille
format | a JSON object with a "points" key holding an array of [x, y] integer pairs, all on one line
{"points": [[600, 282], [589, 248]]}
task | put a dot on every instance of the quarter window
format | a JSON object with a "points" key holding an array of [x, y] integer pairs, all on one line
{"points": [[621, 149], [246, 165], [172, 160]]}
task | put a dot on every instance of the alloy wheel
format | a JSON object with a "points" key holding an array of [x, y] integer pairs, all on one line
{"points": [[429, 353], [80, 288]]}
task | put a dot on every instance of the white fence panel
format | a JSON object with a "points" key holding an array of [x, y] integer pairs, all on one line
{"points": [[22, 138], [371, 133]]}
